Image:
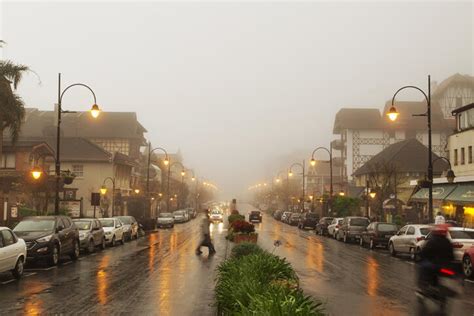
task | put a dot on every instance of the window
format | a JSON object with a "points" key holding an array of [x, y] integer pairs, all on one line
{"points": [[403, 230], [455, 157], [78, 170], [8, 238], [8, 161], [462, 156], [465, 119], [469, 154], [411, 231]]}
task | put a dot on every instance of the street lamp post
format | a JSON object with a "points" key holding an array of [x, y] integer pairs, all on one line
{"points": [[393, 115], [95, 111], [290, 173], [450, 173], [103, 191], [313, 163], [166, 162]]}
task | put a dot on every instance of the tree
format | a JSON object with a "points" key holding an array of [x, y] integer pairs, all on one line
{"points": [[345, 206], [12, 110]]}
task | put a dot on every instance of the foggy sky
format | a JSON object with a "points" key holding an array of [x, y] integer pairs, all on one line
{"points": [[236, 86]]}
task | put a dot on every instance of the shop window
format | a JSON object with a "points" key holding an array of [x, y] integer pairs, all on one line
{"points": [[455, 157], [8, 161], [469, 154], [462, 156]]}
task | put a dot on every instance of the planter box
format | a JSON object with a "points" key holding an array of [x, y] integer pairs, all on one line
{"points": [[240, 238]]}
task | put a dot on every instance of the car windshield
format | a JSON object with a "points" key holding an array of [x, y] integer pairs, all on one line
{"points": [[83, 225], [359, 222], [461, 234], [295, 215], [180, 213], [165, 215], [107, 222], [126, 220], [34, 225], [313, 215], [387, 227], [255, 213], [424, 231]]}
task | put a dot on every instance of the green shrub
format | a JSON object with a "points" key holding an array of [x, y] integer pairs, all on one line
{"points": [[235, 217], [260, 283], [245, 249]]}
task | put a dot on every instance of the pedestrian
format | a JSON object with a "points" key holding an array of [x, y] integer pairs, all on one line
{"points": [[439, 219], [206, 240]]}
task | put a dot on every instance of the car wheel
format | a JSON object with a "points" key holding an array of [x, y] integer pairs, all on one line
{"points": [[467, 267], [103, 244], [54, 258], [391, 248], [414, 254], [122, 241], [371, 244], [75, 252], [19, 268], [91, 246], [113, 242]]}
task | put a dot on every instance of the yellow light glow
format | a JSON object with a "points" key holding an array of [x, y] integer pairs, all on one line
{"points": [[137, 191], [95, 111], [392, 114], [278, 180], [166, 161], [311, 197], [313, 162], [183, 173], [160, 194], [290, 174], [468, 210], [103, 190], [342, 193], [36, 173], [372, 194], [193, 179]]}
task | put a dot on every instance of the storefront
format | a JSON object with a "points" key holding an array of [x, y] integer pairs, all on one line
{"points": [[460, 204], [420, 200]]}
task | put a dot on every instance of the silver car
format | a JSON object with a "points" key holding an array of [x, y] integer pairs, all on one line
{"points": [[165, 220], [334, 226], [180, 216], [406, 238], [91, 233]]}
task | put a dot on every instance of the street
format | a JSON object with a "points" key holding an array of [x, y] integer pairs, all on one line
{"points": [[161, 275]]}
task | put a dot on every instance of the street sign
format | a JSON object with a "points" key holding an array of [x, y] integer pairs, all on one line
{"points": [[95, 199], [14, 212]]}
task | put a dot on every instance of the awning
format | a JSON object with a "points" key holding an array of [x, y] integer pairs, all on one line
{"points": [[463, 194], [440, 192]]}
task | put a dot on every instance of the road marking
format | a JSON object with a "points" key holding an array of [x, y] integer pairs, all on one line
{"points": [[411, 263], [470, 281], [66, 263], [41, 269], [9, 281], [30, 274]]}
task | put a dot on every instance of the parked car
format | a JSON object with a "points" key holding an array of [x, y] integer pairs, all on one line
{"points": [[277, 215], [113, 229], [192, 212], [294, 219], [308, 220], [467, 260], [378, 234], [255, 216], [91, 233], [285, 216], [165, 220], [406, 238], [130, 227], [12, 253], [49, 237], [321, 227], [216, 216], [334, 226], [180, 216], [352, 227], [461, 238]]}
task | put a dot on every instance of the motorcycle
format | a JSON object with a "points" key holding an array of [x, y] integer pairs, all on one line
{"points": [[435, 288]]}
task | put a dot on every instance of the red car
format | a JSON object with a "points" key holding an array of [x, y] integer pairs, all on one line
{"points": [[467, 261]]}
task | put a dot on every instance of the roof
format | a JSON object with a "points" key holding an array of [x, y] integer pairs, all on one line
{"points": [[107, 125], [463, 108], [357, 118], [408, 156], [80, 149], [125, 160], [454, 79]]}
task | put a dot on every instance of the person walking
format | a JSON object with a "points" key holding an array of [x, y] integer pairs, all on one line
{"points": [[440, 219], [206, 241]]}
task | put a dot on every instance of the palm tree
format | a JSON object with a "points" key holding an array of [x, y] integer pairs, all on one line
{"points": [[12, 110]]}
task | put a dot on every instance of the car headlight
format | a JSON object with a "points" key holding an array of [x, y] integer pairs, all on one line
{"points": [[45, 238], [82, 236], [108, 233]]}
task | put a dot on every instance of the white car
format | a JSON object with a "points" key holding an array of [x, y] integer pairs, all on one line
{"points": [[113, 229], [461, 239], [406, 239], [216, 216], [334, 226], [12, 252]]}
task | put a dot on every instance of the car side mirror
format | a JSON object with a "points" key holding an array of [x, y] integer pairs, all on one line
{"points": [[399, 233]]}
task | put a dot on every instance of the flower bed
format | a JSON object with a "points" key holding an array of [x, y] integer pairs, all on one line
{"points": [[256, 282], [241, 230]]}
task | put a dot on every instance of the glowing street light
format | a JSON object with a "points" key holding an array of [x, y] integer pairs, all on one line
{"points": [[103, 190], [95, 111], [36, 173]]}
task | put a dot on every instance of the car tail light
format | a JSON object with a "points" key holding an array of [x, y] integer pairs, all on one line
{"points": [[420, 238], [337, 226], [457, 245], [446, 271]]}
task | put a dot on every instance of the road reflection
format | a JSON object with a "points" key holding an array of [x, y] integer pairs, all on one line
{"points": [[102, 280], [151, 252], [372, 276], [34, 305], [315, 255]]}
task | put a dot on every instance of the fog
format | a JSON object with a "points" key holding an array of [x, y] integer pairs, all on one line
{"points": [[237, 87]]}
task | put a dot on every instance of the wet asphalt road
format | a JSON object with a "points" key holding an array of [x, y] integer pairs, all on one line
{"points": [[161, 275]]}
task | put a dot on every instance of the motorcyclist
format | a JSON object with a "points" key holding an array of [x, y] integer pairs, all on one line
{"points": [[437, 253]]}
